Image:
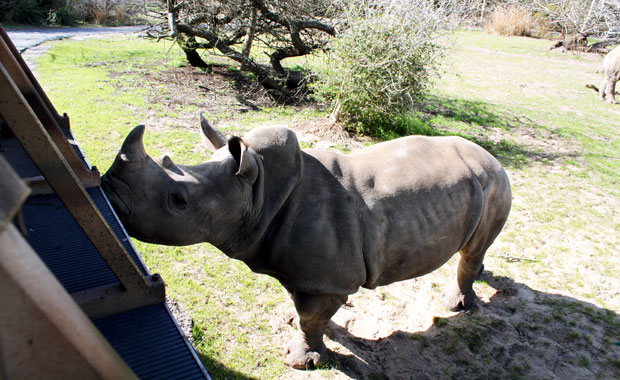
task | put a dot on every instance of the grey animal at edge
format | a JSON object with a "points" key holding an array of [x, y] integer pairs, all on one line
{"points": [[611, 73], [322, 223]]}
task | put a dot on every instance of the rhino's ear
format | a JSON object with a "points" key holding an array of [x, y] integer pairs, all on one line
{"points": [[132, 149], [212, 139], [246, 165]]}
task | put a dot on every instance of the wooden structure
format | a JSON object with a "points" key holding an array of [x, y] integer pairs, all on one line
{"points": [[74, 286]]}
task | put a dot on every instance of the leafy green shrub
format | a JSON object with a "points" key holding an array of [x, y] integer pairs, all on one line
{"points": [[61, 16], [381, 63], [21, 11]]}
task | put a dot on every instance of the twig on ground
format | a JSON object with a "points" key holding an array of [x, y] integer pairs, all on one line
{"points": [[596, 88], [515, 259]]}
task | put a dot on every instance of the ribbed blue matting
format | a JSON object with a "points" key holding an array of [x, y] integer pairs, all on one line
{"points": [[147, 338], [63, 246], [150, 343]]}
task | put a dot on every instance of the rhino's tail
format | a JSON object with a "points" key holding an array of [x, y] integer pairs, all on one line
{"points": [[496, 207]]}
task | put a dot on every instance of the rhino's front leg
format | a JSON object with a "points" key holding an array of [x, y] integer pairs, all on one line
{"points": [[307, 350], [611, 96], [602, 89], [608, 88]]}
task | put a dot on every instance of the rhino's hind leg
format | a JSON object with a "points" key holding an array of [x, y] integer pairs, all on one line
{"points": [[460, 294], [307, 350]]}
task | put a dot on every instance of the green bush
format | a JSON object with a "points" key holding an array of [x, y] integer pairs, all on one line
{"points": [[37, 12], [21, 11], [381, 63], [60, 16]]}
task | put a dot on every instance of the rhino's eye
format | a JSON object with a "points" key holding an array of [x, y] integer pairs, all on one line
{"points": [[177, 201]]}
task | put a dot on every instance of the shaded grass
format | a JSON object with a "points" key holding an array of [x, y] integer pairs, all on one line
{"points": [[525, 81]]}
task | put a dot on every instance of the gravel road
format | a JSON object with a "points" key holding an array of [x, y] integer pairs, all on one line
{"points": [[29, 38]]}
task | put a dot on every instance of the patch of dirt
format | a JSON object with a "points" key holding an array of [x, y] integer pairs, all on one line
{"points": [[401, 332], [221, 90]]}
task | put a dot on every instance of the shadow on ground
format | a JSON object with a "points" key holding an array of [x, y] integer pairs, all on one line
{"points": [[218, 371], [515, 140], [521, 333]]}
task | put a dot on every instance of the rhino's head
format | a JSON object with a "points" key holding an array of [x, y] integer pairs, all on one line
{"points": [[164, 203]]}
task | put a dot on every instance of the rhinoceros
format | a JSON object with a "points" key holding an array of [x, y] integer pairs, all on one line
{"points": [[611, 74], [322, 223]]}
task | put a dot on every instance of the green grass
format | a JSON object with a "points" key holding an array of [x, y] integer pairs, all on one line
{"points": [[525, 104], [80, 78]]}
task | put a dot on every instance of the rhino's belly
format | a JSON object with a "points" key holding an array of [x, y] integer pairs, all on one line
{"points": [[418, 233]]}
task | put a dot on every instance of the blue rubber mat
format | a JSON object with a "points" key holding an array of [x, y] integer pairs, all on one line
{"points": [[150, 343], [63, 246], [147, 338], [13, 152]]}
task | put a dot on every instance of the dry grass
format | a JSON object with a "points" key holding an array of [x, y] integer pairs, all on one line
{"points": [[512, 20]]}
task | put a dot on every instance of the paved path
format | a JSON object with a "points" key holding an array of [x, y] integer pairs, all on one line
{"points": [[29, 38]]}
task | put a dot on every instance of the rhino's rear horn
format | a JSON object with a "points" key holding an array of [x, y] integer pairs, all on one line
{"points": [[212, 139], [133, 147]]}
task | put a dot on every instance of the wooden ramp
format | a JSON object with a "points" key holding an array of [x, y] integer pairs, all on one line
{"points": [[76, 298]]}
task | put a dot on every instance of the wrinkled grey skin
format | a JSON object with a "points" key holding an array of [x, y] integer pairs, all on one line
{"points": [[320, 222], [611, 72]]}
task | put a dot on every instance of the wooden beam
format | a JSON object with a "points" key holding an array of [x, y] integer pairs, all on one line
{"points": [[43, 332], [35, 140], [40, 107]]}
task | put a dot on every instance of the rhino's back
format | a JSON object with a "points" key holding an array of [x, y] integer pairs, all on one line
{"points": [[420, 200], [389, 212]]}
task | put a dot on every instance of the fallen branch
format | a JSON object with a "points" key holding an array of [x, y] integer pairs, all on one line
{"points": [[596, 88], [515, 259]]}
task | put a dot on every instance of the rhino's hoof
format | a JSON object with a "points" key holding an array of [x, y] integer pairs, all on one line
{"points": [[454, 300], [308, 360], [300, 356]]}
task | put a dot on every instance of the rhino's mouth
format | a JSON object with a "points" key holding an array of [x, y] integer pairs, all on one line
{"points": [[122, 209]]}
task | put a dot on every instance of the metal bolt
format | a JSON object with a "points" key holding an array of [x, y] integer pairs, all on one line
{"points": [[155, 277]]}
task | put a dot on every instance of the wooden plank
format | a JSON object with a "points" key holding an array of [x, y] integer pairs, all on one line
{"points": [[13, 191], [35, 140], [44, 334], [33, 97]]}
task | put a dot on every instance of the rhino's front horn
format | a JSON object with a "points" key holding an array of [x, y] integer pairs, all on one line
{"points": [[133, 147]]}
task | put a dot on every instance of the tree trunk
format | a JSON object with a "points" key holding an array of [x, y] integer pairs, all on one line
{"points": [[576, 43], [273, 86], [249, 37], [188, 47], [600, 47]]}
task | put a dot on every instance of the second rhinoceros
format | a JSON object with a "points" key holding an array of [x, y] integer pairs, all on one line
{"points": [[322, 223], [611, 75]]}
